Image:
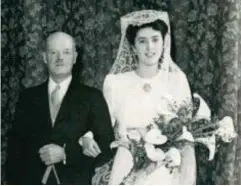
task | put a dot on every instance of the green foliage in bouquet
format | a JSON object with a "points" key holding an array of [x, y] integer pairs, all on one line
{"points": [[187, 123]]}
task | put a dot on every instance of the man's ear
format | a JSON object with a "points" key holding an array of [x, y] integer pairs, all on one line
{"points": [[75, 56], [44, 55]]}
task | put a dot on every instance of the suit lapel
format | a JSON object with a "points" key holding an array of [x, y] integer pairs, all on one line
{"points": [[66, 103], [59, 128], [41, 103]]}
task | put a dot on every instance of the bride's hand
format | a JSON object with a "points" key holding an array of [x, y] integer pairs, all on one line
{"points": [[90, 147]]}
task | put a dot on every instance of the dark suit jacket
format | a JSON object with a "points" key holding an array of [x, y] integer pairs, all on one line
{"points": [[83, 108]]}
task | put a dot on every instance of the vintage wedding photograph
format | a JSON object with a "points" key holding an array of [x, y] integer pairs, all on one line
{"points": [[121, 92]]}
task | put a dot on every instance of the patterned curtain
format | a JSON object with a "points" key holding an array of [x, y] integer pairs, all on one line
{"points": [[206, 45]]}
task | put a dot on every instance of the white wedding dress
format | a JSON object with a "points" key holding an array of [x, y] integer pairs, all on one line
{"points": [[132, 107]]}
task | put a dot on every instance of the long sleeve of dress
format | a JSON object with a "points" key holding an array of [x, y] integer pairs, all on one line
{"points": [[188, 164], [111, 95], [109, 92]]}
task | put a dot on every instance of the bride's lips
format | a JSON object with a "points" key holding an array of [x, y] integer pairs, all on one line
{"points": [[150, 54]]}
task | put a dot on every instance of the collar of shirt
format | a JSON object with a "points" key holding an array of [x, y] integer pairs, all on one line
{"points": [[64, 85]]}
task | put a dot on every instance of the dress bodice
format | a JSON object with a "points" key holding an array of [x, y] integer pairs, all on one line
{"points": [[133, 107]]}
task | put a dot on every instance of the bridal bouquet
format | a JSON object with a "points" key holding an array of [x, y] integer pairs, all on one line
{"points": [[158, 144]]}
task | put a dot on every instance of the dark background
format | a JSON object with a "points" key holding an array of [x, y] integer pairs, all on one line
{"points": [[206, 45]]}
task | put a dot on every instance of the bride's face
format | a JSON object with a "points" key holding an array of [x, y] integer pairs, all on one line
{"points": [[148, 46]]}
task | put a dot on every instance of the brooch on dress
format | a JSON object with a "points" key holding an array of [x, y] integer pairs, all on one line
{"points": [[147, 87]]}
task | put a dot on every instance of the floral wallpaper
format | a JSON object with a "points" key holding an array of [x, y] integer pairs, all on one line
{"points": [[206, 45]]}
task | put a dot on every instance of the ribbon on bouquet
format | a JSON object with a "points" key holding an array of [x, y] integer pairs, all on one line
{"points": [[47, 173]]}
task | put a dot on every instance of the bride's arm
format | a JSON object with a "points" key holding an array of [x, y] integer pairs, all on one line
{"points": [[188, 163], [109, 92], [123, 160], [122, 165]]}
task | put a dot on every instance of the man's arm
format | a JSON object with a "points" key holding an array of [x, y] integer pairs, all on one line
{"points": [[101, 127], [17, 144]]}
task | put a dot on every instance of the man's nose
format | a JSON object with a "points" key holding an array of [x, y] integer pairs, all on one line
{"points": [[60, 55]]}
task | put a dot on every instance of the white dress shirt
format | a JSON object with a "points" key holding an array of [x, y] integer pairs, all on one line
{"points": [[64, 85]]}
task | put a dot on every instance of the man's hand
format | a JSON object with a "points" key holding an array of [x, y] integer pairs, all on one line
{"points": [[90, 147], [51, 154]]}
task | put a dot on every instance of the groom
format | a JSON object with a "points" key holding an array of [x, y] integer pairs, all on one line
{"points": [[43, 143]]}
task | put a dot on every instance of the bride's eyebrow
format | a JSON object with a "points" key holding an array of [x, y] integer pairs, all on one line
{"points": [[155, 36], [143, 37], [140, 37]]}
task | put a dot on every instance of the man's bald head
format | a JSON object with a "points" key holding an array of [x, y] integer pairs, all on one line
{"points": [[59, 36]]}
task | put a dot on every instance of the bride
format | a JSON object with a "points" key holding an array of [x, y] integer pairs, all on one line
{"points": [[141, 79]]}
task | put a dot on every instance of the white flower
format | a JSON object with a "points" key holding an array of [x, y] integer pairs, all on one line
{"points": [[173, 155], [210, 143], [154, 154], [154, 136], [226, 129], [204, 111], [134, 135], [186, 135]]}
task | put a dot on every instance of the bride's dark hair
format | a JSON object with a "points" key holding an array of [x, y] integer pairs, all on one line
{"points": [[158, 25]]}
